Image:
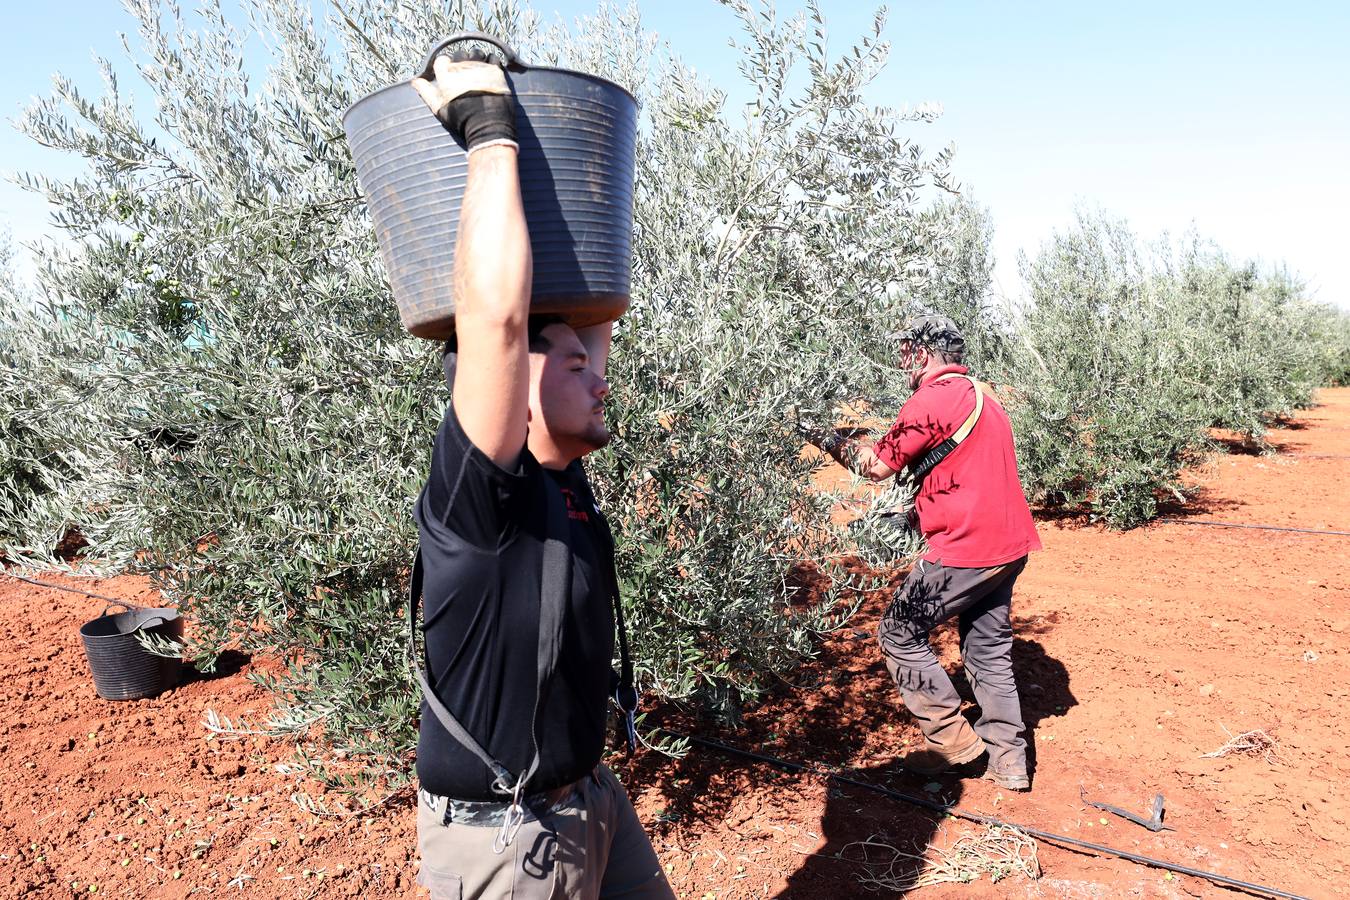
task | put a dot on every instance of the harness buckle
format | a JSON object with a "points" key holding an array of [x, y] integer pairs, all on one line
{"points": [[511, 820], [632, 731], [626, 698]]}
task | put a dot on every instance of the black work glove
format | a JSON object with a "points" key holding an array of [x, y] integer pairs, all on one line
{"points": [[806, 430], [471, 98]]}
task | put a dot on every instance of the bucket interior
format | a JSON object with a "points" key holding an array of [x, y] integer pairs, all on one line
{"points": [[127, 622]]}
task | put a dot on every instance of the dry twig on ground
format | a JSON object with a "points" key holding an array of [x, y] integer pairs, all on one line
{"points": [[1249, 743], [997, 851]]}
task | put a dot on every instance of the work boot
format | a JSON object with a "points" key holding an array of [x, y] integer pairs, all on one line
{"points": [[1010, 779], [933, 760]]}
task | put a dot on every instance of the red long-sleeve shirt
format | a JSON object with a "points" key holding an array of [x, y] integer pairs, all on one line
{"points": [[971, 507]]}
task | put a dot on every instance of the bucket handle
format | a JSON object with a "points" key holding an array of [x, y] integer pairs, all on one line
{"points": [[158, 620], [508, 55]]}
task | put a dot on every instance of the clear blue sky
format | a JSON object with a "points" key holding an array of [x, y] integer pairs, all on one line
{"points": [[1233, 116]]}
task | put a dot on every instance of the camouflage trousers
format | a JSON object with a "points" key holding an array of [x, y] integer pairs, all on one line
{"points": [[981, 599], [581, 841]]}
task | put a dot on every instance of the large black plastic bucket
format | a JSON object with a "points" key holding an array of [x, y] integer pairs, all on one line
{"points": [[122, 668], [577, 136]]}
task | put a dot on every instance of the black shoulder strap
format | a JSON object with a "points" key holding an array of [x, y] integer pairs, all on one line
{"points": [[625, 694], [554, 588]]}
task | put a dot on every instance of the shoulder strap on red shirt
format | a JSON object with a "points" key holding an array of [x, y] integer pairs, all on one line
{"points": [[969, 424], [941, 451]]}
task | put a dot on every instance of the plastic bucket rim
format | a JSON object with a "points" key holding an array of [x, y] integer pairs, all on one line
{"points": [[174, 616], [605, 82]]}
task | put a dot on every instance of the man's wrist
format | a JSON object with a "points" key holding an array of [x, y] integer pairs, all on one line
{"points": [[832, 442], [496, 142]]}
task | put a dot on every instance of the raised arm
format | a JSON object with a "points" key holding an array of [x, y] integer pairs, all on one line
{"points": [[493, 267], [492, 307]]}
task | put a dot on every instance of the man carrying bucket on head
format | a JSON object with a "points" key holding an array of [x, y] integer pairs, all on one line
{"points": [[516, 566], [957, 441]]}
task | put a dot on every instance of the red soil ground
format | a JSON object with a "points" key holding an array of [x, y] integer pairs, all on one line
{"points": [[1137, 653]]}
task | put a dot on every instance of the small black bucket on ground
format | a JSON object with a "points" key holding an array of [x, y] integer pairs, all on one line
{"points": [[122, 668]]}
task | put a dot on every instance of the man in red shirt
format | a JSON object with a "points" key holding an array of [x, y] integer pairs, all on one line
{"points": [[972, 510]]}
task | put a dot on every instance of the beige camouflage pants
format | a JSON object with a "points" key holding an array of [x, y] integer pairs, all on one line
{"points": [[589, 844]]}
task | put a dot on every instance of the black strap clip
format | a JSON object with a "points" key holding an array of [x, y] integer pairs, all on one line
{"points": [[626, 698]]}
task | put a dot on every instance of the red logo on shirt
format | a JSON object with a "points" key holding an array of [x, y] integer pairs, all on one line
{"points": [[574, 509]]}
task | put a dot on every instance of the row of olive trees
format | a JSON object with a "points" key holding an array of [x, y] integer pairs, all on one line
{"points": [[211, 384], [1126, 355]]}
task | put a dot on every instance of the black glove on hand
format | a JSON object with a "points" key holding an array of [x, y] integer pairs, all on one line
{"points": [[812, 434], [471, 98]]}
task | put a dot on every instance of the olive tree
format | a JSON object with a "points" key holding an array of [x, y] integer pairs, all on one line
{"points": [[265, 423], [1259, 346], [1107, 408], [1126, 354], [56, 452]]}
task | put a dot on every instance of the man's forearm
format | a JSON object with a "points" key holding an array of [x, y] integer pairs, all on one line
{"points": [[493, 267], [857, 457], [596, 339], [492, 304]]}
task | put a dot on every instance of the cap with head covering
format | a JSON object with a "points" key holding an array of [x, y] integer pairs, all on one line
{"points": [[938, 332]]}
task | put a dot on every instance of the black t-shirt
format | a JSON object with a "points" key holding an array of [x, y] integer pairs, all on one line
{"points": [[482, 531]]}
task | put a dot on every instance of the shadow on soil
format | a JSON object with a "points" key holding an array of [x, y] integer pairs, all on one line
{"points": [[871, 840], [840, 712], [1201, 502], [890, 826], [1042, 686], [230, 662], [1238, 445]]}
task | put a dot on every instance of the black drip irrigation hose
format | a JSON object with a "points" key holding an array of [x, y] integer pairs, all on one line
{"points": [[71, 590], [957, 812], [1258, 527]]}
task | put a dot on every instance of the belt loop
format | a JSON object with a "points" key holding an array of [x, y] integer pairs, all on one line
{"points": [[436, 803]]}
